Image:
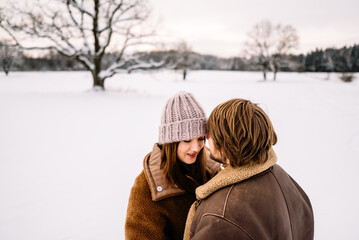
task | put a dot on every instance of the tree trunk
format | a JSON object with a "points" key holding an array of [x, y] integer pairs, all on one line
{"points": [[328, 76], [184, 74], [275, 69], [98, 83], [275, 75], [264, 74]]}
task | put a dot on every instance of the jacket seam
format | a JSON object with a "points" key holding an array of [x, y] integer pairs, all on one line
{"points": [[286, 203], [229, 221], [226, 200]]}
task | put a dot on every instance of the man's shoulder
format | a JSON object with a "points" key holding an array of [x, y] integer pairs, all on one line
{"points": [[215, 203], [265, 203], [230, 196]]}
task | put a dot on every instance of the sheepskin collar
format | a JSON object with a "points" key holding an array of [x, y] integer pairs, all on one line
{"points": [[230, 175]]}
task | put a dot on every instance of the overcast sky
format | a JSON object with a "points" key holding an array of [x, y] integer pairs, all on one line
{"points": [[220, 26]]}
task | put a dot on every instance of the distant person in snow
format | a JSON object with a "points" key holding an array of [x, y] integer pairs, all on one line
{"points": [[164, 191], [253, 197]]}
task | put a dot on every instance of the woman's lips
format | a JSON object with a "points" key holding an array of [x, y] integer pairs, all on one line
{"points": [[192, 155]]}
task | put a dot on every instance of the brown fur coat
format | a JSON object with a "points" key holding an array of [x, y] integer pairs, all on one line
{"points": [[157, 210]]}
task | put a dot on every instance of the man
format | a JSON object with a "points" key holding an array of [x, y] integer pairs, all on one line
{"points": [[253, 197]]}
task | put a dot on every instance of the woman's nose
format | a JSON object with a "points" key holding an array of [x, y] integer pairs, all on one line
{"points": [[195, 146]]}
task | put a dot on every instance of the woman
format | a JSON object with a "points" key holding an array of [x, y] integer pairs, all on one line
{"points": [[164, 191]]}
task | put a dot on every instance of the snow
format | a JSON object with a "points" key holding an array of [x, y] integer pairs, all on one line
{"points": [[69, 155]]}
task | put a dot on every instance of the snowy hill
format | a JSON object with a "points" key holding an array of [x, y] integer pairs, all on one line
{"points": [[69, 156]]}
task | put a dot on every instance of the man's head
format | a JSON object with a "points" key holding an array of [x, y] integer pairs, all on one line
{"points": [[241, 132]]}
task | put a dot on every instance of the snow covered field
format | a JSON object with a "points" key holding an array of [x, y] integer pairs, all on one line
{"points": [[69, 156]]}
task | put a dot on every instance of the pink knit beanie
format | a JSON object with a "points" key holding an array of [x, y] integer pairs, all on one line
{"points": [[183, 118]]}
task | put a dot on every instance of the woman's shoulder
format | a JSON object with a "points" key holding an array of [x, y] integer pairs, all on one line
{"points": [[140, 189], [141, 182]]}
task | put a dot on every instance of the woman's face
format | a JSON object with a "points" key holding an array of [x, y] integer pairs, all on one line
{"points": [[187, 151]]}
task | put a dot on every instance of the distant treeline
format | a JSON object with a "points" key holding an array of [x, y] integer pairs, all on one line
{"points": [[345, 59]]}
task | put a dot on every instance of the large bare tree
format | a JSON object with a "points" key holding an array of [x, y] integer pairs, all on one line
{"points": [[84, 30], [269, 44]]}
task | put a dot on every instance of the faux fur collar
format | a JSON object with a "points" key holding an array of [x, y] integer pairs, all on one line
{"points": [[230, 175]]}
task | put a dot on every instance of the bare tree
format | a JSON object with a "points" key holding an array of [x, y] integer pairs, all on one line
{"points": [[183, 57], [8, 54], [268, 45], [286, 40], [84, 30], [259, 45], [329, 63]]}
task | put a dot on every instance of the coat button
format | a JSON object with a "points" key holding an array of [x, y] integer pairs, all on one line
{"points": [[159, 189]]}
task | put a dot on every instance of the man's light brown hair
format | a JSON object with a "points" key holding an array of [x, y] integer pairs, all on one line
{"points": [[241, 131]]}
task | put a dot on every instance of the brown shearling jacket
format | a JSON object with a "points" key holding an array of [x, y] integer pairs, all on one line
{"points": [[156, 209], [251, 202]]}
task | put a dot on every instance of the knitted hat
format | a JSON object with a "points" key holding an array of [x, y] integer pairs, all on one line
{"points": [[183, 118]]}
